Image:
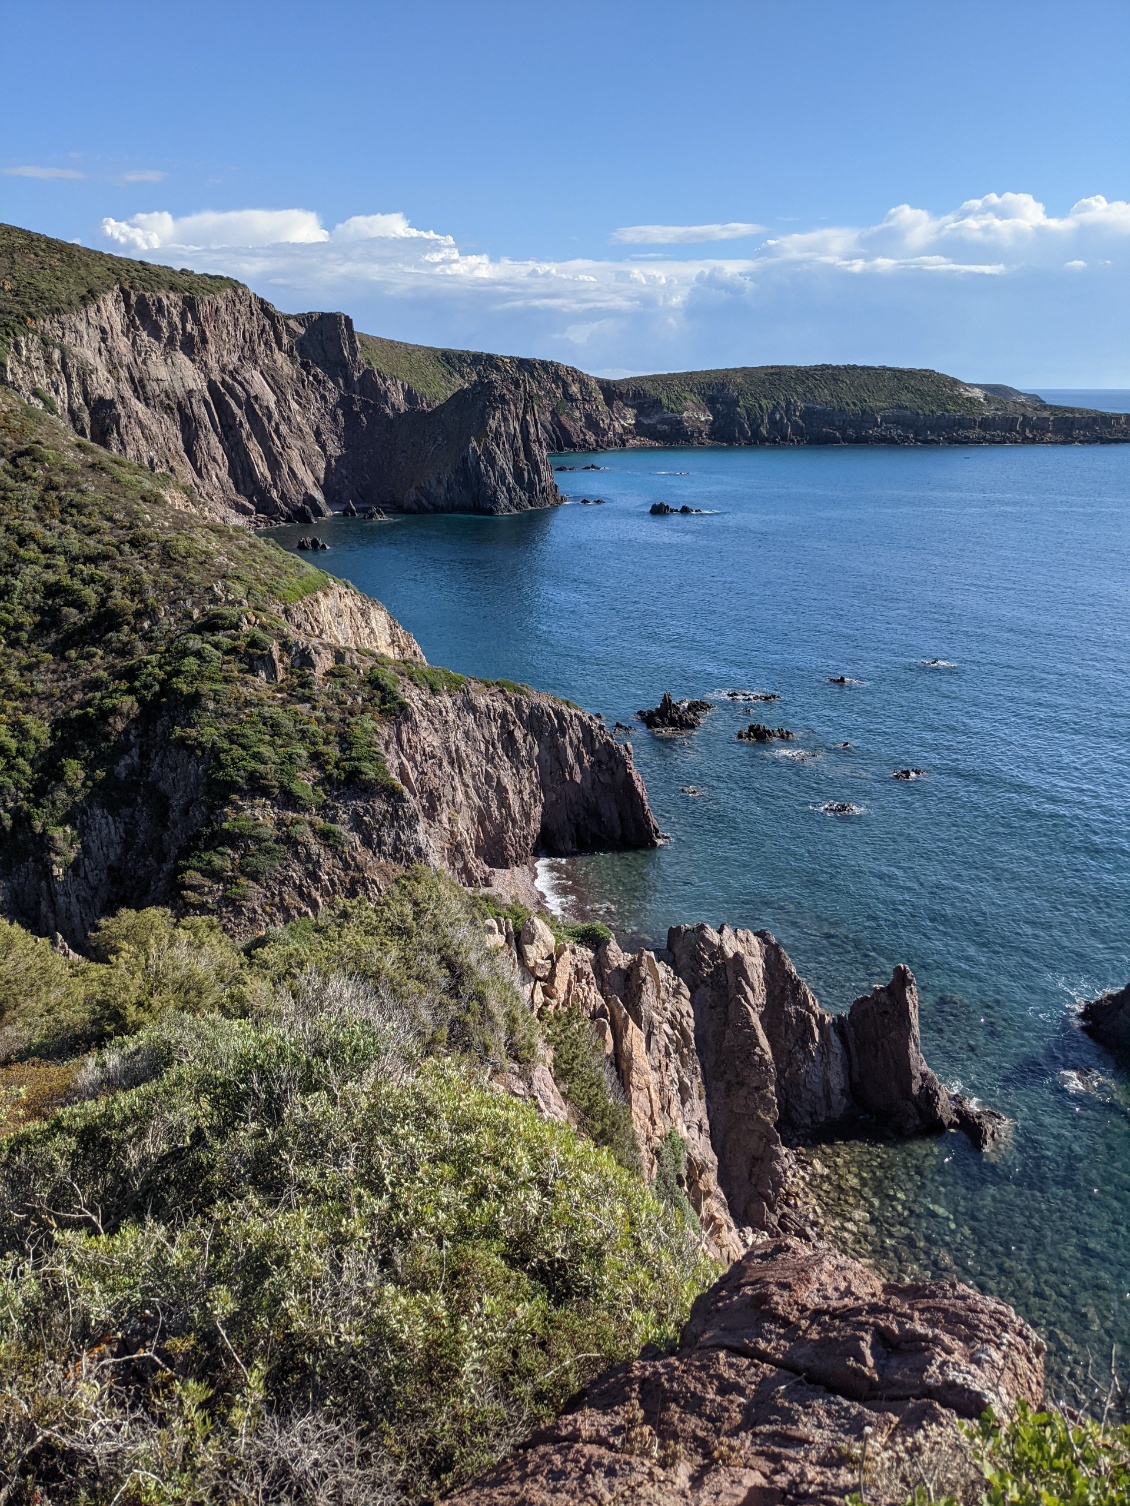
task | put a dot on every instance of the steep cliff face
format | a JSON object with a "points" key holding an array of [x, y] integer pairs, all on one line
{"points": [[266, 416]]}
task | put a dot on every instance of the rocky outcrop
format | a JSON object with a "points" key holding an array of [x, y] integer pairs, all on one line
{"points": [[799, 1377], [675, 716], [482, 780], [1107, 1019], [342, 617], [272, 417], [498, 776], [719, 1039]]}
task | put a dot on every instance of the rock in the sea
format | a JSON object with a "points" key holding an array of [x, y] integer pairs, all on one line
{"points": [[752, 695], [1107, 1019], [889, 1075], [675, 716], [758, 732], [841, 808], [311, 541], [665, 510], [841, 680], [909, 774], [799, 1374]]}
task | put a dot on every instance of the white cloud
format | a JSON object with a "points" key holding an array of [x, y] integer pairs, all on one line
{"points": [[786, 299], [144, 175], [1013, 228], [42, 172], [682, 235], [370, 227], [217, 230]]}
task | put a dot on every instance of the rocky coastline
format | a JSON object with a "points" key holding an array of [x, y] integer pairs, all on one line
{"points": [[271, 417]]}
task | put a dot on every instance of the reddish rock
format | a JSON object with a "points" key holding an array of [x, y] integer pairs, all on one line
{"points": [[798, 1372]]}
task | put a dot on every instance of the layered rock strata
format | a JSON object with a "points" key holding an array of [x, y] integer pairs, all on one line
{"points": [[799, 1378], [275, 417], [718, 1038]]}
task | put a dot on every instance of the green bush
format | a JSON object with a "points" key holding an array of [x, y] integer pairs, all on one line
{"points": [[590, 1086], [292, 1263], [1044, 1458]]}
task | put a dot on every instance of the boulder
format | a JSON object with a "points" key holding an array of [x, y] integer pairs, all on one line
{"points": [[536, 945], [800, 1376]]}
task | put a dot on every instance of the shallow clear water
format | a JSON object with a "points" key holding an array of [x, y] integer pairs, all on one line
{"points": [[1002, 877]]}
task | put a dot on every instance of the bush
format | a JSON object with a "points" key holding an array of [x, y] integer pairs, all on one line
{"points": [[292, 1253], [1046, 1458], [588, 1082]]}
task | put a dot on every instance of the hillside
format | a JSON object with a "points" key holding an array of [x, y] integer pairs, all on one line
{"points": [[269, 416], [191, 716], [41, 277]]}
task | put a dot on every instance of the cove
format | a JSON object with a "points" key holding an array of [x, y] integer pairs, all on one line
{"points": [[1002, 877]]}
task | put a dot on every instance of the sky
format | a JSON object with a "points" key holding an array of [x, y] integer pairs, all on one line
{"points": [[625, 186]]}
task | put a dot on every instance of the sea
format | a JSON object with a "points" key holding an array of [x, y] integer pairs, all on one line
{"points": [[977, 602]]}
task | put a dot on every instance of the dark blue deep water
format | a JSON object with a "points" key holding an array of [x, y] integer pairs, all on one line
{"points": [[1002, 877]]}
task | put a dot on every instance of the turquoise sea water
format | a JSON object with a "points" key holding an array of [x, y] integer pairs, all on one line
{"points": [[1002, 877]]}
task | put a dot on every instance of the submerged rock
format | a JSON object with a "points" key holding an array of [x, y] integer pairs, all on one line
{"points": [[1107, 1019], [752, 695], [798, 1372], [675, 716]]}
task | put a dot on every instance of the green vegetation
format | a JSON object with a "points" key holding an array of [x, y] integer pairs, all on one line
{"points": [[586, 1078], [40, 277], [1046, 1458], [754, 390], [130, 621], [284, 1242]]}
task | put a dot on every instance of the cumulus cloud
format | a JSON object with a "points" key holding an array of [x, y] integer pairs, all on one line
{"points": [[682, 235], [42, 172], [217, 230], [1014, 229], [678, 307]]}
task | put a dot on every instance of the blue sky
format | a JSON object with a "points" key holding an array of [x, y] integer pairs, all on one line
{"points": [[624, 186]]}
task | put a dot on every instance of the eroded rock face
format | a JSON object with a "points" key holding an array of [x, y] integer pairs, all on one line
{"points": [[719, 1039], [782, 1366], [277, 417], [498, 776]]}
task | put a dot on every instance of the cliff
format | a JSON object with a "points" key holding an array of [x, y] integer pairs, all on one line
{"points": [[717, 1039], [270, 417], [193, 717], [265, 416]]}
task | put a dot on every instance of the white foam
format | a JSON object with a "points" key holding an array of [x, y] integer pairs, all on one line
{"points": [[548, 887]]}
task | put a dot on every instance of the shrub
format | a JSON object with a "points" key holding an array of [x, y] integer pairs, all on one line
{"points": [[288, 1234], [588, 1082]]}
